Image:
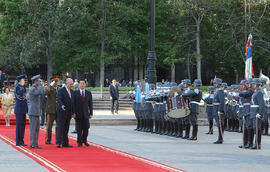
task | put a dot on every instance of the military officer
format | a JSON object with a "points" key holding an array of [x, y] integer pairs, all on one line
{"points": [[51, 108], [195, 98], [20, 110], [256, 111], [218, 109], [34, 113], [209, 108], [245, 97]]}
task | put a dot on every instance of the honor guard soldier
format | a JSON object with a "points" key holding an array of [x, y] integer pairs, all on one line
{"points": [[186, 124], [34, 110], [224, 85], [218, 109], [256, 111], [245, 97], [20, 109], [51, 108], [195, 98], [209, 108]]}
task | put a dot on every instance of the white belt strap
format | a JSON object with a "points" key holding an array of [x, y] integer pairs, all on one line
{"points": [[195, 102], [216, 103], [254, 106], [246, 104]]}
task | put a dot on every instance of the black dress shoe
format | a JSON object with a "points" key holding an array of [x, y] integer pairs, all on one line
{"points": [[58, 146], [86, 144], [18, 144], [79, 144], [74, 132], [32, 147], [67, 146], [23, 144], [218, 142], [255, 147], [37, 147], [241, 146], [48, 143], [192, 138]]}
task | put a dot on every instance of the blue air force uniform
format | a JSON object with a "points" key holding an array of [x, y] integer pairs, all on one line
{"points": [[20, 111], [195, 98], [218, 109], [209, 109]]}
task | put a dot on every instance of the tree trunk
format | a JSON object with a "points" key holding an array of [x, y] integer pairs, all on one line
{"points": [[49, 64], [198, 58], [172, 72], [188, 67], [236, 76]]}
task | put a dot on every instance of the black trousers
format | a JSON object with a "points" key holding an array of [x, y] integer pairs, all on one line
{"points": [[62, 130], [82, 126], [116, 105]]}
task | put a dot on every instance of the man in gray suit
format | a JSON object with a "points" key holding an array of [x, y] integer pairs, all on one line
{"points": [[34, 110]]}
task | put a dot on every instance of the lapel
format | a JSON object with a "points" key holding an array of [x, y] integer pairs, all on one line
{"points": [[65, 90]]}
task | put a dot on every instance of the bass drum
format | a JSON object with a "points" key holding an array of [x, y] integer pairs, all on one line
{"points": [[182, 109]]}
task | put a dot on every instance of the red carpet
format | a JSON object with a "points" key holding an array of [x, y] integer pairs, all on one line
{"points": [[95, 158], [12, 119]]}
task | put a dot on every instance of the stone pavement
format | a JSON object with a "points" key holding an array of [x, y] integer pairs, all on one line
{"points": [[197, 156], [12, 160]]}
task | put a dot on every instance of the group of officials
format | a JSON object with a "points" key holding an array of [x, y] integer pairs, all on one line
{"points": [[62, 104]]}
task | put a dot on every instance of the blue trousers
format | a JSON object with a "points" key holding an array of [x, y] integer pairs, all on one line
{"points": [[20, 128]]}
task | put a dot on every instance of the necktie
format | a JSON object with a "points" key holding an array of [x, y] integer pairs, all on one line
{"points": [[82, 96]]}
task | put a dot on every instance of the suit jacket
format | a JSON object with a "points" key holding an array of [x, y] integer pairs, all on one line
{"points": [[51, 104], [34, 100], [114, 92], [64, 99], [83, 109]]}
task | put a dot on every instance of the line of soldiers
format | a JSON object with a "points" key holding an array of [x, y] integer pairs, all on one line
{"points": [[239, 108]]}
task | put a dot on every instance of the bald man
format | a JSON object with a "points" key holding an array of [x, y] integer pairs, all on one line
{"points": [[65, 99]]}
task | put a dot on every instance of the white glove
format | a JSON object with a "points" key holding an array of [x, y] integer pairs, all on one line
{"points": [[220, 113], [52, 83], [258, 115]]}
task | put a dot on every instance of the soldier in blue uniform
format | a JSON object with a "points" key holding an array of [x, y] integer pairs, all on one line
{"points": [[20, 110], [245, 97], [186, 124], [209, 108], [218, 109], [256, 111], [224, 85], [195, 98]]}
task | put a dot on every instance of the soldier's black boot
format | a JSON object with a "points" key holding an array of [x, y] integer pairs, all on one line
{"points": [[174, 129], [266, 128], [138, 125], [225, 124], [187, 131], [250, 138], [229, 124], [233, 125], [178, 130], [236, 129], [147, 126], [144, 125], [180, 127], [162, 129], [220, 139], [170, 128], [152, 125], [166, 127], [259, 140], [245, 140], [159, 125], [194, 132], [210, 127]]}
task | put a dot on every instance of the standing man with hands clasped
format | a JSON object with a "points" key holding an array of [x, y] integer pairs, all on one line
{"points": [[83, 111], [114, 96]]}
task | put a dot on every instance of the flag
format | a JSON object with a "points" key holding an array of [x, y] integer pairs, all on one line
{"points": [[248, 68]]}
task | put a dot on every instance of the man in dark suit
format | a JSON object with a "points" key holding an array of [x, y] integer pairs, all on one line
{"points": [[114, 96], [65, 99], [83, 111]]}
